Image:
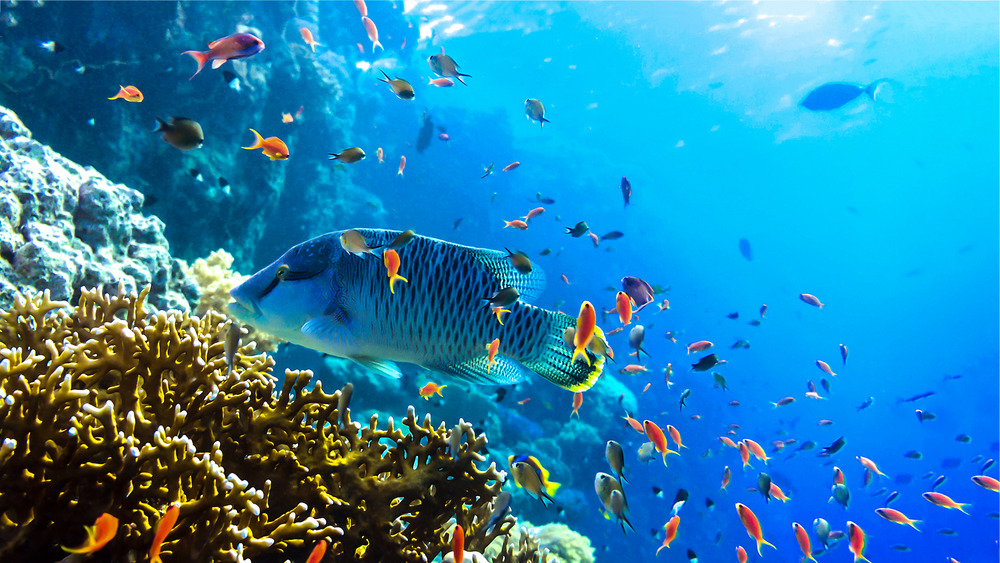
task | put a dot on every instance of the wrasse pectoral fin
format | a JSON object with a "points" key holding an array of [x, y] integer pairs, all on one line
{"points": [[381, 367], [329, 328]]}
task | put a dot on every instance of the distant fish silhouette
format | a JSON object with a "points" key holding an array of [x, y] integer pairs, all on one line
{"points": [[835, 95], [745, 249], [426, 130]]}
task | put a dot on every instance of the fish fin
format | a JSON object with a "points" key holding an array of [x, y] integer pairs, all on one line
{"points": [[258, 143], [330, 328], [160, 125], [529, 286], [459, 75], [551, 487], [200, 57], [872, 91], [555, 362], [216, 63], [381, 367], [504, 371]]}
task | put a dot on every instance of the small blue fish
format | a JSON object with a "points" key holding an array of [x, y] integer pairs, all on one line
{"points": [[745, 249], [835, 95]]}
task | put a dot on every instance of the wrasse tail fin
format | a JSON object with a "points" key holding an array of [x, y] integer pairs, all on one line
{"points": [[555, 362], [200, 57]]}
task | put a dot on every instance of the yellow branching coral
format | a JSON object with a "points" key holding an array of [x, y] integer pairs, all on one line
{"points": [[107, 408]]}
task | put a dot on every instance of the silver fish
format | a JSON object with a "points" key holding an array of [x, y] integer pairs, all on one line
{"points": [[616, 458], [320, 296], [232, 345], [529, 479], [500, 507], [343, 402], [635, 338]]}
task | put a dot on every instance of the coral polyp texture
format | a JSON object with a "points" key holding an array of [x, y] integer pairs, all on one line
{"points": [[108, 408], [64, 226]]}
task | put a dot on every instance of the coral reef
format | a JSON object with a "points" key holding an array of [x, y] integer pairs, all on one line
{"points": [[557, 542], [106, 407], [63, 226]]}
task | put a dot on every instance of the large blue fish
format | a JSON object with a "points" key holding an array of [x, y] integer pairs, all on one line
{"points": [[835, 95], [321, 296]]}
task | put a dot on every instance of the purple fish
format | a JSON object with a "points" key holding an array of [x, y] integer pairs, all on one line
{"points": [[626, 190], [640, 292], [235, 46]]}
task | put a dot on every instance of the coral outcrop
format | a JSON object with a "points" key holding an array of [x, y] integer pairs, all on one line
{"points": [[106, 407], [63, 226]]}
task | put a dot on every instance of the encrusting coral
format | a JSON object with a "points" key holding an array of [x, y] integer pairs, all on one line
{"points": [[105, 408]]}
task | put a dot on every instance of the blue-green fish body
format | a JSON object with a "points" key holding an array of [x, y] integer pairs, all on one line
{"points": [[321, 296]]}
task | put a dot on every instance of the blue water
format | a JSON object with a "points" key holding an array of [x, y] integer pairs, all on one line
{"points": [[887, 210]]}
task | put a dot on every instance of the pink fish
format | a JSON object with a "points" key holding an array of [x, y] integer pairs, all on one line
{"points": [[441, 82], [811, 299], [511, 166], [235, 46], [825, 367], [372, 32]]}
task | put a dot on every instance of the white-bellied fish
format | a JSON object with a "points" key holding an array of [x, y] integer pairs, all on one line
{"points": [[319, 296]]}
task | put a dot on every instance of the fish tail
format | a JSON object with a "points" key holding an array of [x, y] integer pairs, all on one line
{"points": [[551, 487], [913, 524], [557, 363], [392, 282], [379, 45], [200, 56], [961, 507], [258, 143], [160, 125], [459, 75]]}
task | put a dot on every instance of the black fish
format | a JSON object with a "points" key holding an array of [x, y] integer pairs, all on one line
{"points": [[684, 395], [626, 190], [733, 316], [578, 230], [501, 393], [764, 486], [228, 76], [545, 200], [835, 95], [457, 223], [679, 500], [938, 482], [640, 291], [706, 363], [613, 235], [425, 134], [833, 448], [148, 200], [825, 384], [657, 491], [709, 503], [745, 249], [692, 557], [916, 397], [545, 252], [223, 183]]}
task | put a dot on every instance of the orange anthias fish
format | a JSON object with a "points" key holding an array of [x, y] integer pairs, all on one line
{"points": [[741, 554], [235, 46], [287, 117], [428, 390], [577, 403], [163, 528], [945, 501], [802, 536], [517, 224], [634, 369], [838, 476], [635, 424], [752, 525], [675, 435], [391, 260], [659, 440], [363, 10], [986, 482], [98, 535], [623, 305], [128, 93], [307, 36], [491, 351], [726, 476], [533, 213], [318, 552], [744, 454], [372, 32], [458, 544], [274, 148], [402, 165], [586, 323], [727, 441], [511, 166], [670, 529], [858, 542], [870, 465], [441, 82], [777, 493], [699, 346], [757, 451], [897, 517]]}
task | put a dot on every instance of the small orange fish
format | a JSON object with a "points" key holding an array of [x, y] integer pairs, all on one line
{"points": [[623, 305], [287, 118], [533, 213], [744, 454], [633, 369], [517, 224], [98, 535], [363, 10], [825, 367], [945, 501], [659, 440], [726, 476], [511, 166], [858, 542], [492, 348], [380, 154], [897, 517], [757, 451], [298, 113], [128, 93], [402, 165], [986, 482], [372, 32], [577, 403], [752, 525], [871, 465], [777, 493], [699, 346], [675, 435], [274, 148], [670, 528], [307, 36], [318, 552], [390, 258], [428, 390], [727, 441], [441, 82], [458, 544], [646, 388], [524, 401], [565, 279], [586, 324], [612, 331], [163, 528], [741, 554], [635, 424], [802, 536]]}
